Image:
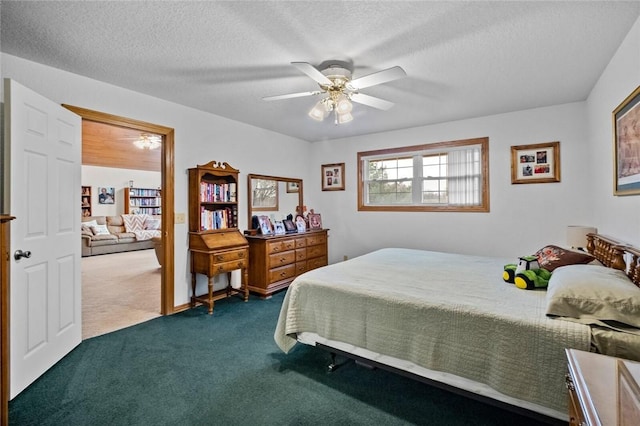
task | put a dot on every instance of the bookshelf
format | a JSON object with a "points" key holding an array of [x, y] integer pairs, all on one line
{"points": [[86, 201], [143, 201], [216, 245]]}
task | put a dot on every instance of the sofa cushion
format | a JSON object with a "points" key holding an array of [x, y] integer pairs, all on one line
{"points": [[101, 240]]}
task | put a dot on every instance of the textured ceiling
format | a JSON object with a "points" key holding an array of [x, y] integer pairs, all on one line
{"points": [[463, 59]]}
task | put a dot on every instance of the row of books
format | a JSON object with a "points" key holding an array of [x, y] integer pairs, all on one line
{"points": [[152, 202], [217, 219], [155, 211], [143, 192], [218, 192]]}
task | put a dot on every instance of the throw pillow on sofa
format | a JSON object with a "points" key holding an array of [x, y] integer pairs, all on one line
{"points": [[100, 230]]}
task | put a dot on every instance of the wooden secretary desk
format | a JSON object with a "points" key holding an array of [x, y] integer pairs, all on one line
{"points": [[215, 243]]}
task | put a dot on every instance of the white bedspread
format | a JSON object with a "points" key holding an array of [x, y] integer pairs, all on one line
{"points": [[446, 312]]}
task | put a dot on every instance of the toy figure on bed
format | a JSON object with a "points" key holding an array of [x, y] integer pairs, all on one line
{"points": [[527, 274]]}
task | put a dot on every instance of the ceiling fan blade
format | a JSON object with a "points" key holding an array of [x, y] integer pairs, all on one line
{"points": [[290, 95], [379, 77], [371, 101], [312, 72]]}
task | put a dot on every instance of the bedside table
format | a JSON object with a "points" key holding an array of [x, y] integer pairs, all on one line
{"points": [[593, 386]]}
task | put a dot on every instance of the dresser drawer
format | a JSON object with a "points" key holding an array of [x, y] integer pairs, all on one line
{"points": [[301, 268], [231, 255], [280, 259], [315, 251], [301, 242], [282, 273], [301, 254], [316, 262], [316, 239]]}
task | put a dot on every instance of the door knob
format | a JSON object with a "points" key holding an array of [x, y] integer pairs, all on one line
{"points": [[20, 254]]}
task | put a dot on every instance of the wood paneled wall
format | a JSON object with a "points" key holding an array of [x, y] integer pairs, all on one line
{"points": [[106, 145]]}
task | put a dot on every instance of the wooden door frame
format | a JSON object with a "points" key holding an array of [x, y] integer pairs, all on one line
{"points": [[167, 182]]}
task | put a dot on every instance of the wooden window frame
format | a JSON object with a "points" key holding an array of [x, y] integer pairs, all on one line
{"points": [[481, 208]]}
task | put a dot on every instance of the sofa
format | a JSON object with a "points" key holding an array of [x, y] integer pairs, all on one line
{"points": [[95, 239]]}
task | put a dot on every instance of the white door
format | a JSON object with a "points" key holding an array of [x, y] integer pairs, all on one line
{"points": [[42, 189]]}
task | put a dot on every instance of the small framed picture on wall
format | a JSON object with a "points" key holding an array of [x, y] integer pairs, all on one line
{"points": [[332, 177], [536, 163]]}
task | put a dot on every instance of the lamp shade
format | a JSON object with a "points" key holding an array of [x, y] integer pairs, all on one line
{"points": [[577, 235]]}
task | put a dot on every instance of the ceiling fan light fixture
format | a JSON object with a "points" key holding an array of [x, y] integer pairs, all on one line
{"points": [[344, 118], [319, 112], [343, 106], [147, 141]]}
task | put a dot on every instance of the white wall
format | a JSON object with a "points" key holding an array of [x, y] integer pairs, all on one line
{"points": [[616, 216], [95, 177], [523, 217], [199, 138]]}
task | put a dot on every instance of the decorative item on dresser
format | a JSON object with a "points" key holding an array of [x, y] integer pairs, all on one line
{"points": [[4, 317], [143, 201], [215, 243], [277, 260]]}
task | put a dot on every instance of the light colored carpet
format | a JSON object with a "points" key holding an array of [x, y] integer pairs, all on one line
{"points": [[119, 290]]}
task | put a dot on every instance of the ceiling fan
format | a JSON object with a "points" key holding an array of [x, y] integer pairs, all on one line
{"points": [[335, 82]]}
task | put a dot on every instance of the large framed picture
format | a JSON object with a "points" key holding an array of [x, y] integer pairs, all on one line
{"points": [[536, 163], [626, 145], [106, 195], [332, 177]]}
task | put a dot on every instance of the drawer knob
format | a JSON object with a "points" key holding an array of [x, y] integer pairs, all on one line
{"points": [[219, 258]]}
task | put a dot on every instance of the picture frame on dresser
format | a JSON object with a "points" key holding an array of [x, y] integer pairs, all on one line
{"points": [[289, 226], [315, 221], [626, 145], [279, 228], [301, 224], [265, 225]]}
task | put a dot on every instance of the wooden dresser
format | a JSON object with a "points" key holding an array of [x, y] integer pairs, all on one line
{"points": [[277, 259], [594, 393]]}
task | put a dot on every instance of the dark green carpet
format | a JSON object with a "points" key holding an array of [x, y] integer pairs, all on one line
{"points": [[194, 369]]}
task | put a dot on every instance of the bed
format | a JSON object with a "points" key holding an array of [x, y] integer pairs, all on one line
{"points": [[450, 319]]}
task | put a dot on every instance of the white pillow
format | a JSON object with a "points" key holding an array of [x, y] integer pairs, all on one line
{"points": [[100, 230], [152, 224], [90, 223], [591, 292]]}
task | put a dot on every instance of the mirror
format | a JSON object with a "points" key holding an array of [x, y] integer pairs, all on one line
{"points": [[273, 196]]}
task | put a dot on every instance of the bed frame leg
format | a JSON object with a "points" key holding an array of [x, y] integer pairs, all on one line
{"points": [[334, 364]]}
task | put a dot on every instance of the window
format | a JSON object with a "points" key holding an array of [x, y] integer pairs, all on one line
{"points": [[443, 176]]}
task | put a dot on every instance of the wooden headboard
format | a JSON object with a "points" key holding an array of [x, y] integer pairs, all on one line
{"points": [[612, 254]]}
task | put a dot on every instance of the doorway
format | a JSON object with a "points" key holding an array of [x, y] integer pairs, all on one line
{"points": [[167, 187]]}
